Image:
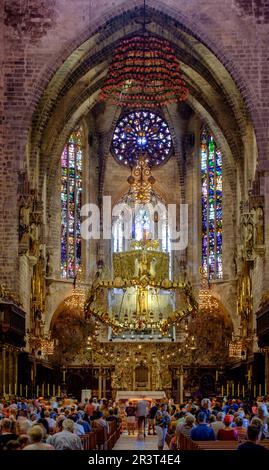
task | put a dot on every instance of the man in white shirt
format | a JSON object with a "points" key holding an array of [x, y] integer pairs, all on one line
{"points": [[141, 413]]}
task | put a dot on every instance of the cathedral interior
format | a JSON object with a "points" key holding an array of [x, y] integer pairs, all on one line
{"points": [[134, 198]]}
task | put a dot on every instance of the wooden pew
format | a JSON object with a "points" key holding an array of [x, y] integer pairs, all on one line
{"points": [[186, 443]]}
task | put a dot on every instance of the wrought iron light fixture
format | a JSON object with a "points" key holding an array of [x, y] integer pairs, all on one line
{"points": [[144, 72]]}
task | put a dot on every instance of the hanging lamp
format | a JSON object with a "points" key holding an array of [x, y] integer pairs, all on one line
{"points": [[144, 73]]}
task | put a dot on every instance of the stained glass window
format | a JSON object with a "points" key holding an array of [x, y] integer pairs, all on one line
{"points": [[141, 132], [211, 179], [71, 191], [144, 225]]}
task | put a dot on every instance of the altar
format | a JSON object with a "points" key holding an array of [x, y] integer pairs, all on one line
{"points": [[135, 395]]}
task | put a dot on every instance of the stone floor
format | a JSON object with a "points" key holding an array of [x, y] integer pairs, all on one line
{"points": [[126, 442]]}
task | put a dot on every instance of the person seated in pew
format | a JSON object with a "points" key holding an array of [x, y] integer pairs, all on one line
{"points": [[100, 421], [228, 433], [218, 423], [111, 416], [202, 432], [253, 435]]}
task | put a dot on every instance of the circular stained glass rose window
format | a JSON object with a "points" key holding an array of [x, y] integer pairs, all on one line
{"points": [[141, 132]]}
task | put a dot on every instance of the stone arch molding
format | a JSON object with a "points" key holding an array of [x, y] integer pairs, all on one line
{"points": [[70, 91]]}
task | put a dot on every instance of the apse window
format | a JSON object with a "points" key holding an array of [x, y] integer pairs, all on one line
{"points": [[141, 132], [71, 198], [212, 224]]}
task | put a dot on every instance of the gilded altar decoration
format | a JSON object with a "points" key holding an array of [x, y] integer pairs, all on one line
{"points": [[141, 181], [245, 305], [7, 295], [236, 347]]}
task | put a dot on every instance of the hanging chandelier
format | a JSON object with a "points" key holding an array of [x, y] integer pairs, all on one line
{"points": [[144, 72]]}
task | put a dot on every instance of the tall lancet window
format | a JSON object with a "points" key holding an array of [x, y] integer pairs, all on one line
{"points": [[211, 179], [71, 192]]}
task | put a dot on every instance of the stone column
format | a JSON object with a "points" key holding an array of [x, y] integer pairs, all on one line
{"points": [[1, 375], [4, 369], [15, 373], [104, 383], [181, 386], [100, 383], [266, 372], [11, 371]]}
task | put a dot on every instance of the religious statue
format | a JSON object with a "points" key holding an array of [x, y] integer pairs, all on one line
{"points": [[48, 264], [24, 220], [142, 306], [247, 231], [259, 226], [115, 381]]}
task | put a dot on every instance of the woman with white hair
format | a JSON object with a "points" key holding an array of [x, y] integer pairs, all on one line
{"points": [[66, 439], [206, 407]]}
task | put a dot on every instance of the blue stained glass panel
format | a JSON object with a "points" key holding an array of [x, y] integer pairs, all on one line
{"points": [[71, 188], [211, 201], [141, 132]]}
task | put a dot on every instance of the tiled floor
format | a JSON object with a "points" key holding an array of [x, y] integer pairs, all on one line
{"points": [[126, 442]]}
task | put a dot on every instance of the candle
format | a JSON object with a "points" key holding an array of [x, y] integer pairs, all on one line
{"points": [[59, 390], [217, 375], [32, 374], [227, 389], [222, 390], [15, 388], [42, 390], [37, 390], [238, 390], [53, 390], [260, 389], [243, 391], [26, 391], [233, 389], [48, 389], [254, 391], [9, 389], [21, 390], [64, 376]]}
